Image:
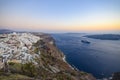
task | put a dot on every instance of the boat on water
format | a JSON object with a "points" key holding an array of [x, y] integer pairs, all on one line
{"points": [[85, 41]]}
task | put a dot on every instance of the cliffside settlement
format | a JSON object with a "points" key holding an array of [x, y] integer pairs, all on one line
{"points": [[36, 57]]}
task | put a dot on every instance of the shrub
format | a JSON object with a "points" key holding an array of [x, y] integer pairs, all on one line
{"points": [[29, 69]]}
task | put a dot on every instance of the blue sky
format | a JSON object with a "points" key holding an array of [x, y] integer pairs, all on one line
{"points": [[59, 15]]}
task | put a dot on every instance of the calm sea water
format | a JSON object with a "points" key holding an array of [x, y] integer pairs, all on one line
{"points": [[100, 58]]}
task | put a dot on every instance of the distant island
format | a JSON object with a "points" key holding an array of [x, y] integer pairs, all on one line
{"points": [[105, 36], [3, 31]]}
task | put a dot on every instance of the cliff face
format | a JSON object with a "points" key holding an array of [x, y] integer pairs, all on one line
{"points": [[46, 62], [53, 59]]}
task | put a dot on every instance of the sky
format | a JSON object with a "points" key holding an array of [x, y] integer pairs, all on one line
{"points": [[60, 15]]}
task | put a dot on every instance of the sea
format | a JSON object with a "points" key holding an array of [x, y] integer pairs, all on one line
{"points": [[101, 58]]}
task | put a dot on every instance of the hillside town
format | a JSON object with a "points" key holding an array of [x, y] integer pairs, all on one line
{"points": [[17, 47]]}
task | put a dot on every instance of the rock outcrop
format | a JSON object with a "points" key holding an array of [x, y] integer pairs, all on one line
{"points": [[116, 76]]}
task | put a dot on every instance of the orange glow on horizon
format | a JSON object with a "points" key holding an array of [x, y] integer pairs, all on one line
{"points": [[67, 28]]}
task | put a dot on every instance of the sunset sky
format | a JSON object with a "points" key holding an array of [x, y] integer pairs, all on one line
{"points": [[60, 15]]}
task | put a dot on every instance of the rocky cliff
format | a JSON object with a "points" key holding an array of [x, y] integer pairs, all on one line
{"points": [[34, 56]]}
